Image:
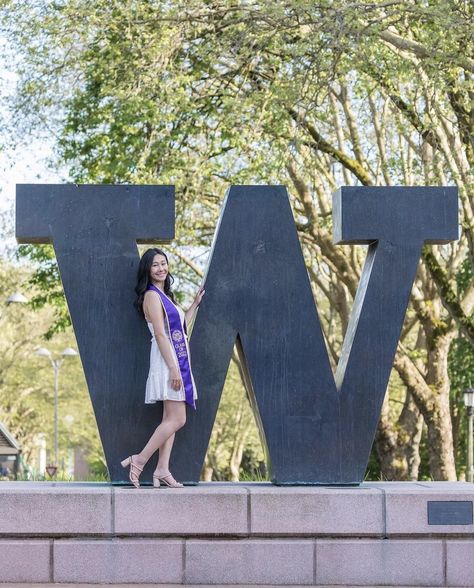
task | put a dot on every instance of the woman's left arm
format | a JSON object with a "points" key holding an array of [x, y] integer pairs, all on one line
{"points": [[189, 314]]}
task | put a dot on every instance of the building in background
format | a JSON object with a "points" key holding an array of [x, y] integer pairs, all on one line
{"points": [[10, 452]]}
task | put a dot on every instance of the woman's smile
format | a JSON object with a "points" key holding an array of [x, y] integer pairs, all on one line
{"points": [[159, 268]]}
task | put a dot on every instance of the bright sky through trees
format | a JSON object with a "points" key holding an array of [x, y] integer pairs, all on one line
{"points": [[22, 159]]}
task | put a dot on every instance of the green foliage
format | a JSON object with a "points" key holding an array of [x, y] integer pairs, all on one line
{"points": [[461, 374], [461, 366], [235, 450], [464, 276], [45, 282], [205, 94], [373, 471], [26, 380], [199, 95]]}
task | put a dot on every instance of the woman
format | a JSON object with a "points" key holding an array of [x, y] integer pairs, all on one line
{"points": [[170, 378]]}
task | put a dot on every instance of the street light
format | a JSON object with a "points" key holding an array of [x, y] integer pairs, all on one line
{"points": [[468, 394], [15, 298], [56, 364]]}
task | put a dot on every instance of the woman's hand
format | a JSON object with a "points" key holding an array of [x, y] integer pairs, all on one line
{"points": [[198, 297], [189, 314], [175, 379]]}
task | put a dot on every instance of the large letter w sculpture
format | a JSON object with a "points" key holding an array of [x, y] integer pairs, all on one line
{"points": [[317, 428]]}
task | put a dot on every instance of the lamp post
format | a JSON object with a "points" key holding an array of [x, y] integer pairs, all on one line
{"points": [[56, 364], [469, 404], [15, 298]]}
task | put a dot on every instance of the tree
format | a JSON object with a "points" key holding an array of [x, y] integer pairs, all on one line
{"points": [[312, 95], [26, 380], [234, 433]]}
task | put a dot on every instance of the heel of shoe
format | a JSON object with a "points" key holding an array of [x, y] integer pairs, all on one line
{"points": [[156, 482], [126, 462]]}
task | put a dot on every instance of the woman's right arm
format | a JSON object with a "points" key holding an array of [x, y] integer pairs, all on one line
{"points": [[154, 310]]}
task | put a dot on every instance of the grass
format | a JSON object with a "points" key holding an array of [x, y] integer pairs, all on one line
{"points": [[62, 477], [253, 476]]}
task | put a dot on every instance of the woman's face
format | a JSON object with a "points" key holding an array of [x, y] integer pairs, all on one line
{"points": [[159, 268]]}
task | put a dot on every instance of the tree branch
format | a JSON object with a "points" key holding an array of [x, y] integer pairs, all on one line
{"points": [[447, 294], [320, 144], [420, 51]]}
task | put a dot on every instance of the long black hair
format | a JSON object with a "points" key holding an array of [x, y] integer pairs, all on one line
{"points": [[143, 277]]}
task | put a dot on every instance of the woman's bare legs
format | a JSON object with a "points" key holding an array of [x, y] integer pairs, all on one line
{"points": [[174, 417], [162, 468]]}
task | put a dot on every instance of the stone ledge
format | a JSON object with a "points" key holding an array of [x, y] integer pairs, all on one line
{"points": [[185, 511], [142, 561], [292, 562], [388, 561], [316, 511], [374, 510], [460, 563], [407, 512], [254, 561], [54, 510], [25, 560]]}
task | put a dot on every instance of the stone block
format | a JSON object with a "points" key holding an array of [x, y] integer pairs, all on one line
{"points": [[54, 510], [147, 561], [316, 511], [460, 563], [407, 507], [24, 560], [378, 562], [208, 510], [244, 561]]}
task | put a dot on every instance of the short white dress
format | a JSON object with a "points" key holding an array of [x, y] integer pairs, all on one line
{"points": [[158, 383]]}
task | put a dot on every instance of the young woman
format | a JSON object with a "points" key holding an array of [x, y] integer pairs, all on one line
{"points": [[170, 378]]}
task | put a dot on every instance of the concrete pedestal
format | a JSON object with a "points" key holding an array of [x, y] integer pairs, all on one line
{"points": [[398, 534]]}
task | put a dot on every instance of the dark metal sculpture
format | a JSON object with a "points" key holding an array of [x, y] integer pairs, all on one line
{"points": [[94, 230], [317, 429]]}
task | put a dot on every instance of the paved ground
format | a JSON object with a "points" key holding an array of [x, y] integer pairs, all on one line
{"points": [[10, 585]]}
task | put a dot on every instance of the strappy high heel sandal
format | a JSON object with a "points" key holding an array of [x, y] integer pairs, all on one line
{"points": [[134, 468], [169, 482]]}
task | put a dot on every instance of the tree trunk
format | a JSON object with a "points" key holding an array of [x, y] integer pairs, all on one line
{"points": [[398, 446], [438, 420], [236, 459], [412, 430], [431, 395], [207, 471]]}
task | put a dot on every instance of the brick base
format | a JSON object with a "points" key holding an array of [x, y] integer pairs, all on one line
{"points": [[219, 533]]}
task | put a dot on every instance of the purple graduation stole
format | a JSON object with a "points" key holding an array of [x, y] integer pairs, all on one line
{"points": [[178, 343]]}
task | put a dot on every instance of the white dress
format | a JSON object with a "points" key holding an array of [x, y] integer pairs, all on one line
{"points": [[158, 383]]}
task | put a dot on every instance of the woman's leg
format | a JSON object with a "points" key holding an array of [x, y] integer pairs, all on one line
{"points": [[175, 418], [162, 467]]}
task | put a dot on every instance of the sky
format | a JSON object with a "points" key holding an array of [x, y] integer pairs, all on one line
{"points": [[27, 163]]}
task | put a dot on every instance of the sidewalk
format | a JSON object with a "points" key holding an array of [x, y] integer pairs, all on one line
{"points": [[9, 585]]}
